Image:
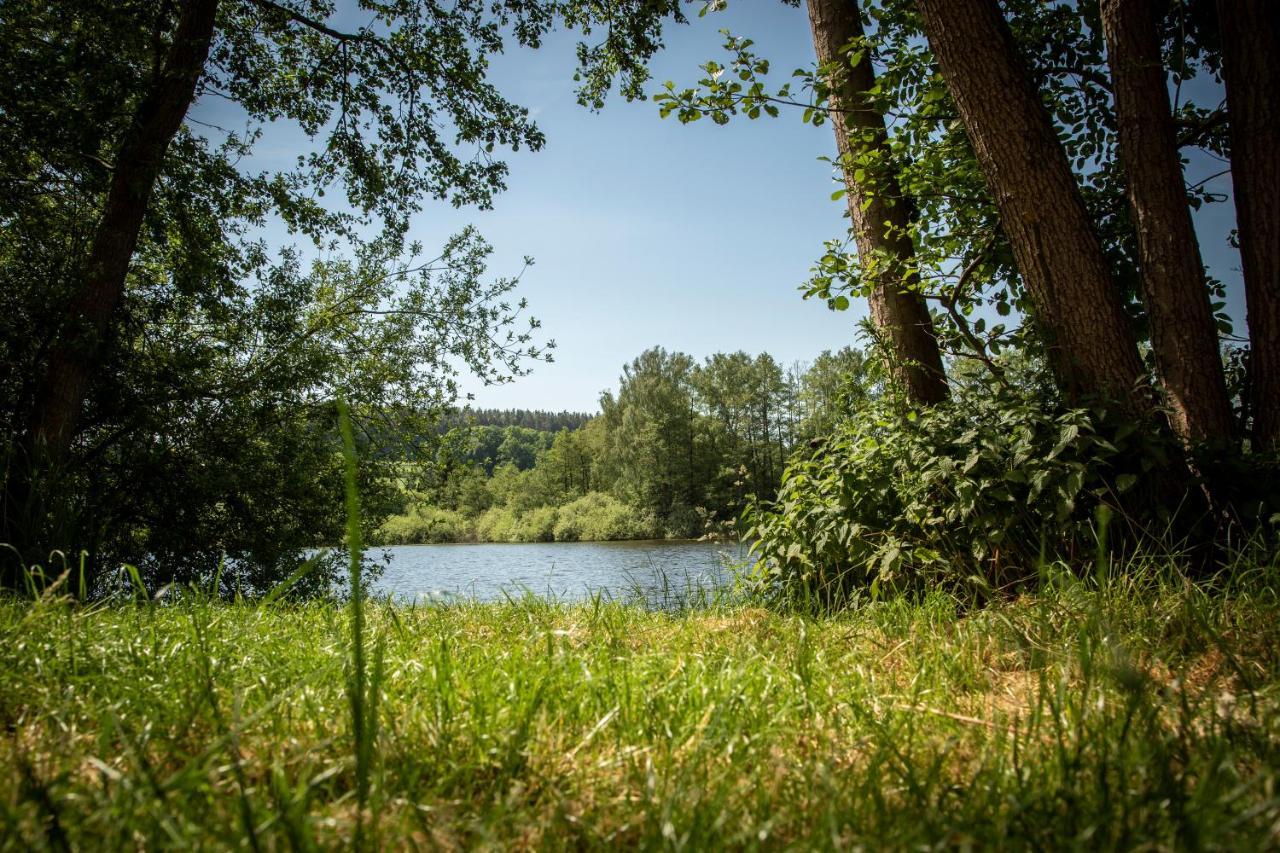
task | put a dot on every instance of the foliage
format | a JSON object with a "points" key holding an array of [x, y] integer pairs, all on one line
{"points": [[988, 485], [213, 436], [207, 429], [424, 524], [497, 524], [1148, 704], [505, 524], [984, 485], [675, 454], [594, 517], [598, 517], [966, 268], [536, 419]]}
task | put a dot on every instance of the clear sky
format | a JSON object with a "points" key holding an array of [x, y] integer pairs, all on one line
{"points": [[646, 232]]}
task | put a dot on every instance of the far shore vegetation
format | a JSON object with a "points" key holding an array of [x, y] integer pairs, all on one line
{"points": [[677, 452]]}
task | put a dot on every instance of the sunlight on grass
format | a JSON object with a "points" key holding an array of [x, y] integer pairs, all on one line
{"points": [[1143, 713]]}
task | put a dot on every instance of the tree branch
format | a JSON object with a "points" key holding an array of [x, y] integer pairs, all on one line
{"points": [[979, 349]]}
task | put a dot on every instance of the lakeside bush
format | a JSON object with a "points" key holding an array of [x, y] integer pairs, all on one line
{"points": [[598, 517], [536, 525], [594, 517], [496, 525], [986, 487], [424, 525], [504, 524]]}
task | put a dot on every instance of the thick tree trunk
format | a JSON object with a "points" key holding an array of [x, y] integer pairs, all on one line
{"points": [[879, 213], [1091, 346], [60, 395], [1184, 337], [1251, 71]]}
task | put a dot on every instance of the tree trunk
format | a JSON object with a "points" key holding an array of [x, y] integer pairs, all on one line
{"points": [[61, 394], [1251, 71], [879, 213], [1090, 344], [1184, 337]]}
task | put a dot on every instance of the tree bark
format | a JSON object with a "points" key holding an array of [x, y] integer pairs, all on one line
{"points": [[879, 213], [61, 393], [1184, 337], [1090, 343], [1251, 71]]}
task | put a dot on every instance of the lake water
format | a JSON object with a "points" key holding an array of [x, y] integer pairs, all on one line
{"points": [[659, 571]]}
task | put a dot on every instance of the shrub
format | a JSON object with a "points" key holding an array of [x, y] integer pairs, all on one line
{"points": [[682, 522], [598, 517], [497, 524], [981, 485], [424, 524], [536, 525]]}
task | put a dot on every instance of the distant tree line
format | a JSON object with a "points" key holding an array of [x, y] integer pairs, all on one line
{"points": [[537, 419], [676, 451]]}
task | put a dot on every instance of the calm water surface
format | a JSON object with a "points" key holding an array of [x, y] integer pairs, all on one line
{"points": [[660, 571]]}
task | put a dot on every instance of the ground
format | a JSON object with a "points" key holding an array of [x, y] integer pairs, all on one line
{"points": [[1140, 714]]}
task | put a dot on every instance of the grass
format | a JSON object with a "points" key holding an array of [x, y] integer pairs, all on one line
{"points": [[1141, 713], [1132, 709]]}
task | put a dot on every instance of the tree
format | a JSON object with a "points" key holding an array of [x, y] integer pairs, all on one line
{"points": [[137, 164], [877, 207], [570, 458], [1089, 339], [833, 386], [1184, 336], [522, 446], [743, 403], [130, 253], [1250, 45], [768, 393], [652, 427], [218, 442]]}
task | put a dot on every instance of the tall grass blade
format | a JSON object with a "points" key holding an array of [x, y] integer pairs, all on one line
{"points": [[361, 725], [280, 589]]}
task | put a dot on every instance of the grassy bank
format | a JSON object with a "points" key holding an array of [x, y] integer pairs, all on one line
{"points": [[1075, 718]]}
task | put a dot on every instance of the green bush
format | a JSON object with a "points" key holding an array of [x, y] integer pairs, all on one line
{"points": [[496, 525], [536, 525], [504, 524], [598, 517], [424, 524], [682, 522], [982, 485]]}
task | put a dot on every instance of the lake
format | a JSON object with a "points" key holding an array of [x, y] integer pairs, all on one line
{"points": [[660, 571]]}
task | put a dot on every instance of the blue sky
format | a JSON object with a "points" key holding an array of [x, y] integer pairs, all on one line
{"points": [[646, 232]]}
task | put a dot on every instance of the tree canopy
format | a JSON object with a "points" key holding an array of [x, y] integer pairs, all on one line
{"points": [[168, 376]]}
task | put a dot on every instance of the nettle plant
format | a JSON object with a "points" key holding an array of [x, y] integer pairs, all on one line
{"points": [[986, 486]]}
